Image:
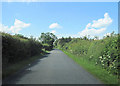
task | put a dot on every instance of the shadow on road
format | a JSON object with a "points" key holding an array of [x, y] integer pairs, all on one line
{"points": [[27, 69]]}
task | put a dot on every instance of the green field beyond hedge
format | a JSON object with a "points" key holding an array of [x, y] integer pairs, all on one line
{"points": [[100, 57]]}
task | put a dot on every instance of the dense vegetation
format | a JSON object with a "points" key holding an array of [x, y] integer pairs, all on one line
{"points": [[103, 52], [16, 48], [47, 39]]}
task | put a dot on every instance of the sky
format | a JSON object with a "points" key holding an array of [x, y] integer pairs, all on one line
{"points": [[60, 0], [64, 19]]}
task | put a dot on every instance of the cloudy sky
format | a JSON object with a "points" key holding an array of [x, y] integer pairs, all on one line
{"points": [[75, 19]]}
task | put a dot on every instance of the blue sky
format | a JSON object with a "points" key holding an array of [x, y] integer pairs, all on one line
{"points": [[61, 18]]}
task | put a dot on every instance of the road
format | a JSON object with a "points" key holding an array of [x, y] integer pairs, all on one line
{"points": [[54, 68]]}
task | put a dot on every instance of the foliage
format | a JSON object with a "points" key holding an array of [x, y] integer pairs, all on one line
{"points": [[16, 48], [96, 70], [109, 56], [62, 41], [47, 47], [47, 38], [102, 52]]}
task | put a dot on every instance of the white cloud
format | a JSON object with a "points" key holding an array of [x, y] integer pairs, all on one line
{"points": [[18, 25], [55, 25], [53, 31], [102, 22], [96, 27], [91, 32]]}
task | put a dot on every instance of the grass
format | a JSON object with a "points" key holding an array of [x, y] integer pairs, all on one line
{"points": [[13, 68], [95, 70]]}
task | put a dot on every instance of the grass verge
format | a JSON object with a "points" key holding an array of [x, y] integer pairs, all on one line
{"points": [[96, 70], [13, 68]]}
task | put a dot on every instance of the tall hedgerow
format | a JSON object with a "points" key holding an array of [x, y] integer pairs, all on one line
{"points": [[17, 48], [104, 52]]}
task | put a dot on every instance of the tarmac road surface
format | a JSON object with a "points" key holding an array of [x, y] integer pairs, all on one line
{"points": [[54, 68]]}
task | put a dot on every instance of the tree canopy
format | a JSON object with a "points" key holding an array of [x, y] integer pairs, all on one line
{"points": [[47, 38]]}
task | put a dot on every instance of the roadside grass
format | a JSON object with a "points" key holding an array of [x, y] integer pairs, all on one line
{"points": [[96, 70], [13, 68]]}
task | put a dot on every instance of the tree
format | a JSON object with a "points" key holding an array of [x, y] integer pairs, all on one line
{"points": [[47, 38], [85, 38], [62, 41]]}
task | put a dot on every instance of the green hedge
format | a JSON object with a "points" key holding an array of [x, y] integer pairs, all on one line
{"points": [[17, 48], [104, 52]]}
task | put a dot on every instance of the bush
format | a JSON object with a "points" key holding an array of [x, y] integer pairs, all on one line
{"points": [[17, 47], [104, 52]]}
